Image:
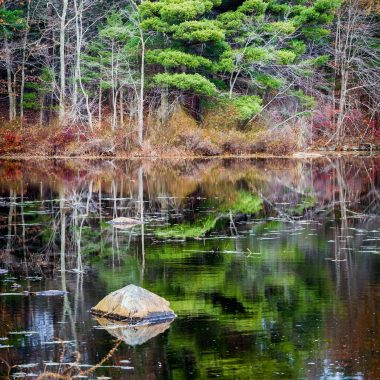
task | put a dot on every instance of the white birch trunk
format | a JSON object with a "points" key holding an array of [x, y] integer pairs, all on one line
{"points": [[62, 61], [25, 41], [11, 95], [141, 97]]}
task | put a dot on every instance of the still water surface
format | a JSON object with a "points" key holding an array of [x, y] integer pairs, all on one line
{"points": [[272, 266]]}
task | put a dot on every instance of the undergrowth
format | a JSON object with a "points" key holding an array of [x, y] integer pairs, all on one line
{"points": [[218, 133]]}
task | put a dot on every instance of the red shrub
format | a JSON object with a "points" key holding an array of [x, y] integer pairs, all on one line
{"points": [[10, 141]]}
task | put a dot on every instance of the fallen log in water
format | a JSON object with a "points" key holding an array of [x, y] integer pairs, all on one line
{"points": [[44, 293], [133, 304]]}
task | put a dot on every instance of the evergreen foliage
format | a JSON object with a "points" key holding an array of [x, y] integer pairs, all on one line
{"points": [[253, 48]]}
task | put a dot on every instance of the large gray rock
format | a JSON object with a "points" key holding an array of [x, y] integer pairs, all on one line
{"points": [[134, 304]]}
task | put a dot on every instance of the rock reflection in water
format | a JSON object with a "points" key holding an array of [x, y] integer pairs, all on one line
{"points": [[133, 335]]}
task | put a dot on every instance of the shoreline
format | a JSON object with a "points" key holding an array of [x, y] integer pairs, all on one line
{"points": [[295, 155]]}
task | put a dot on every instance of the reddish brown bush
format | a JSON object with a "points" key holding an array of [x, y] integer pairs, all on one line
{"points": [[199, 145], [11, 141]]}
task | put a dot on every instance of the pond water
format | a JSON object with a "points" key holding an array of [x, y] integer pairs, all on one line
{"points": [[271, 265]]}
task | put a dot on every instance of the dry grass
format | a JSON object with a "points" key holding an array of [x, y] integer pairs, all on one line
{"points": [[217, 134]]}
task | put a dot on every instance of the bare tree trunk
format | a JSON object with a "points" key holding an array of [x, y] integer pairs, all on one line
{"points": [[340, 125], [340, 77], [78, 41], [114, 89], [47, 99], [233, 80], [42, 110], [114, 109], [164, 108], [11, 95], [25, 41], [78, 73], [121, 106], [141, 97], [100, 107], [62, 62], [355, 70]]}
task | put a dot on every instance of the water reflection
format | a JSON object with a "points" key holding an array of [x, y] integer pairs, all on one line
{"points": [[272, 266], [133, 335]]}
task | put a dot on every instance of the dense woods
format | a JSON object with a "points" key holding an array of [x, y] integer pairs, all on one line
{"points": [[80, 77]]}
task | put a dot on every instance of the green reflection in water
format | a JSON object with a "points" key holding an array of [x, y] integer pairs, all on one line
{"points": [[184, 230], [238, 316]]}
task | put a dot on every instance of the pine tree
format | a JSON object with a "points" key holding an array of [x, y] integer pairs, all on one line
{"points": [[254, 49], [187, 43]]}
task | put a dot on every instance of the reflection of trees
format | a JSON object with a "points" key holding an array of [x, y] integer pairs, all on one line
{"points": [[240, 307], [287, 284], [355, 311], [141, 201], [11, 215], [289, 190]]}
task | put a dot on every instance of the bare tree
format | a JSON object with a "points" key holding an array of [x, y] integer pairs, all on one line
{"points": [[77, 71], [8, 53], [62, 62], [24, 47], [356, 70]]}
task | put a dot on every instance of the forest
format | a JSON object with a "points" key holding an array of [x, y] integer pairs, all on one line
{"points": [[188, 77]]}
